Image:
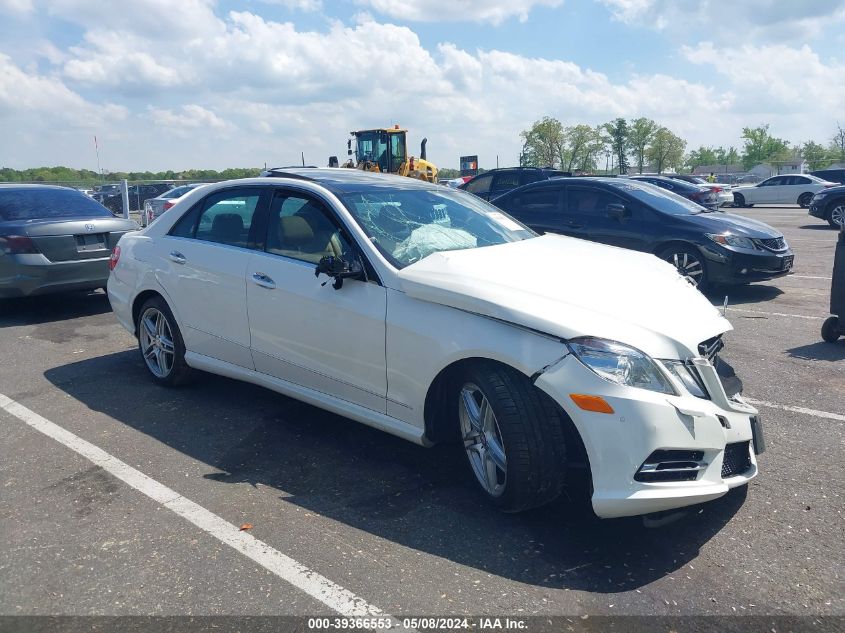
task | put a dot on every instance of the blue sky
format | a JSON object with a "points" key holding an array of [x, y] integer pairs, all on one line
{"points": [[204, 83]]}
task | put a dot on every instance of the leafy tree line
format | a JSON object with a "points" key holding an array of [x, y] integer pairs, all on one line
{"points": [[643, 143], [90, 178]]}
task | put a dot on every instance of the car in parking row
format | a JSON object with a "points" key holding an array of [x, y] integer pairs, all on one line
{"points": [[54, 239], [829, 204], [705, 196], [154, 207], [432, 315], [784, 189], [706, 247], [495, 182]]}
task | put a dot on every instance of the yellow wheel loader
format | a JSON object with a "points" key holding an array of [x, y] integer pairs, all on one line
{"points": [[386, 150]]}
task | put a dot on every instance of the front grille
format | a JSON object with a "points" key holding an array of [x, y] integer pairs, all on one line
{"points": [[671, 465], [737, 459], [775, 244], [712, 346]]}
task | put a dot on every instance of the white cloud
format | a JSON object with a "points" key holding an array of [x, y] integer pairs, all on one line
{"points": [[749, 20], [16, 6], [777, 79], [188, 118], [298, 5], [493, 11], [48, 99]]}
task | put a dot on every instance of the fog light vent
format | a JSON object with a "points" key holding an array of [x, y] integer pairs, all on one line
{"points": [[671, 465]]}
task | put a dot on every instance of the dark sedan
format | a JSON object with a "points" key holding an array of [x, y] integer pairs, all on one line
{"points": [[495, 182], [829, 204], [54, 239], [703, 195], [706, 247]]}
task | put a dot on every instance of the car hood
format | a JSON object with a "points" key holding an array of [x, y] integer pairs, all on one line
{"points": [[733, 224], [566, 287]]}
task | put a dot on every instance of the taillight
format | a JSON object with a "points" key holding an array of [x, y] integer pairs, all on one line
{"points": [[168, 204], [715, 189], [17, 245], [114, 258]]}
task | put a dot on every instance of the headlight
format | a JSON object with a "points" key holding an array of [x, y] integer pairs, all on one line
{"points": [[733, 240], [620, 363], [688, 376], [820, 194]]}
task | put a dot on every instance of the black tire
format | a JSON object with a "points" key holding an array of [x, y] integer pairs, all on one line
{"points": [[830, 330], [739, 200], [836, 214], [804, 200], [531, 430], [688, 261], [178, 372]]}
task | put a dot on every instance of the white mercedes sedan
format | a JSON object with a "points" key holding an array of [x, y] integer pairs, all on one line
{"points": [[785, 189], [430, 314]]}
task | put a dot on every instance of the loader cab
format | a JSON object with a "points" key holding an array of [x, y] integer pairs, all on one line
{"points": [[386, 148]]}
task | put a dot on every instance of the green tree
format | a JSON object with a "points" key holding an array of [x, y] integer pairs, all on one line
{"points": [[760, 146], [837, 144], [815, 154], [640, 134], [665, 150], [617, 130], [544, 142], [578, 147], [701, 156]]}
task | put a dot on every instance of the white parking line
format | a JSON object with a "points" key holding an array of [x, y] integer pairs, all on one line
{"points": [[805, 411], [807, 277], [780, 314], [330, 594]]}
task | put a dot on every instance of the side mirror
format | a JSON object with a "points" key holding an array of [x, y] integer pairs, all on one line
{"points": [[340, 269], [618, 212]]}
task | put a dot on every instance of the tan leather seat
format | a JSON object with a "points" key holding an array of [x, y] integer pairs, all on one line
{"points": [[307, 236]]}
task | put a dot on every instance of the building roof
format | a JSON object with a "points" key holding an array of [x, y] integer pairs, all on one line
{"points": [[718, 169]]}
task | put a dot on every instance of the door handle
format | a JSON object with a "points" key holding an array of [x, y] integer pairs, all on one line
{"points": [[177, 257], [263, 280]]}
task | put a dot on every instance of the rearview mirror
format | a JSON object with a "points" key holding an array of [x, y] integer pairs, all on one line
{"points": [[339, 269], [618, 212]]}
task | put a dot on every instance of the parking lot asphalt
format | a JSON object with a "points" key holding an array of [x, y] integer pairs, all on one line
{"points": [[399, 526]]}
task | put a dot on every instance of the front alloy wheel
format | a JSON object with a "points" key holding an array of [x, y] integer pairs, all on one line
{"points": [[483, 440], [690, 265], [837, 215]]}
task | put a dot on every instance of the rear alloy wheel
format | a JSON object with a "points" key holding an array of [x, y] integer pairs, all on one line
{"points": [[836, 217], [513, 436], [804, 200], [689, 263], [161, 345]]}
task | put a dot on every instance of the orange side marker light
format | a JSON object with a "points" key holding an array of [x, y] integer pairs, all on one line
{"points": [[591, 403]]}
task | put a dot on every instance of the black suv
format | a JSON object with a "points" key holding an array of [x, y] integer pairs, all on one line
{"points": [[138, 195], [829, 204], [496, 182], [705, 246], [831, 175]]}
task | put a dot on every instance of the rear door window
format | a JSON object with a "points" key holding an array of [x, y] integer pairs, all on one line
{"points": [[224, 217], [480, 184]]}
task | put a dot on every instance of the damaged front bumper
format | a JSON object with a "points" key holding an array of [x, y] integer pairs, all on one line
{"points": [[658, 452]]}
